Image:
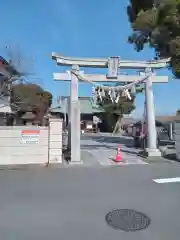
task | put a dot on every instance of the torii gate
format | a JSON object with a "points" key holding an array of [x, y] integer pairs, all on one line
{"points": [[112, 63]]}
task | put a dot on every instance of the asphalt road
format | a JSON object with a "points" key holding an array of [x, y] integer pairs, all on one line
{"points": [[71, 203]]}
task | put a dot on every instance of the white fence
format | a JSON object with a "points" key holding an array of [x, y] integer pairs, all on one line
{"points": [[31, 144]]}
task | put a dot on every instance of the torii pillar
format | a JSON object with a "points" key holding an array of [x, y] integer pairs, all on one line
{"points": [[151, 151], [74, 131], [147, 66]]}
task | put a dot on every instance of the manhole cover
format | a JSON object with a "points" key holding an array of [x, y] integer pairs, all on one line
{"points": [[127, 220]]}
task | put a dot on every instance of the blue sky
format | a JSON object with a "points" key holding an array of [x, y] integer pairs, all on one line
{"points": [[85, 28]]}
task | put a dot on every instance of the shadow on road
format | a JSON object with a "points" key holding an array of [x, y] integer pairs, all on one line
{"points": [[96, 146], [105, 146], [109, 139], [171, 156]]}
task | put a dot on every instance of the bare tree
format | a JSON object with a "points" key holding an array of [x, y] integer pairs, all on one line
{"points": [[21, 71], [23, 65]]}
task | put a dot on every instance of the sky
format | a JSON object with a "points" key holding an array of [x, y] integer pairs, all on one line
{"points": [[80, 28]]}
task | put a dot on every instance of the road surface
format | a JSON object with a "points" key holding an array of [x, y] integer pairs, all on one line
{"points": [[71, 203]]}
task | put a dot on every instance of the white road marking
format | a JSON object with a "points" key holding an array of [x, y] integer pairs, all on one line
{"points": [[167, 180]]}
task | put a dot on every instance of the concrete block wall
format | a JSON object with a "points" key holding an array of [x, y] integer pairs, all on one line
{"points": [[14, 151], [55, 140], [47, 147]]}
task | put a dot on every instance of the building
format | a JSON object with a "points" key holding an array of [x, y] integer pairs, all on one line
{"points": [[164, 126], [9, 114], [6, 72], [89, 113]]}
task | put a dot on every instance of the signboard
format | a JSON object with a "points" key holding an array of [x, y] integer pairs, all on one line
{"points": [[96, 120], [30, 136]]}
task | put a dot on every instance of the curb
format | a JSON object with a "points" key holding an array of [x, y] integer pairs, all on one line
{"points": [[32, 166]]}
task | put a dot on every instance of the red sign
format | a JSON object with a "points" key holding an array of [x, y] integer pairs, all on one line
{"points": [[30, 136], [30, 132]]}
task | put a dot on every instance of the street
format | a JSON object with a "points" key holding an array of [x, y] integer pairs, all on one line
{"points": [[71, 203]]}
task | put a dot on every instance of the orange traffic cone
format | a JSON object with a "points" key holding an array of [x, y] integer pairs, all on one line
{"points": [[118, 155]]}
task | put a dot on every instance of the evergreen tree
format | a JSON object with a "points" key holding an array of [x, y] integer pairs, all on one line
{"points": [[157, 23]]}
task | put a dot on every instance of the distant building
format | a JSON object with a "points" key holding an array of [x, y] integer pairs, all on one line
{"points": [[89, 112], [164, 126]]}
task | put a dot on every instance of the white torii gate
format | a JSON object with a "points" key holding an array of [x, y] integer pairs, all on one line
{"points": [[112, 63]]}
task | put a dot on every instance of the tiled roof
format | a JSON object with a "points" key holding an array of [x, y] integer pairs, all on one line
{"points": [[86, 107]]}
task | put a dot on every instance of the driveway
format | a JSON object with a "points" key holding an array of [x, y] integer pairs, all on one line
{"points": [[100, 148]]}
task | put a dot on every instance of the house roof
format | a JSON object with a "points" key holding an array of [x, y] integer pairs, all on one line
{"points": [[86, 107], [158, 123], [159, 120], [167, 119], [28, 116], [163, 120]]}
